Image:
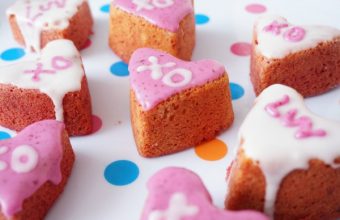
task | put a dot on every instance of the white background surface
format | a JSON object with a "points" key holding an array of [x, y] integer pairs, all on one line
{"points": [[88, 195]]}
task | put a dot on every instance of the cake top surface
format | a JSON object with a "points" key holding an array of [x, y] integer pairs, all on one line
{"points": [[288, 138], [166, 14], [156, 76], [177, 193], [277, 38], [57, 71], [27, 161]]}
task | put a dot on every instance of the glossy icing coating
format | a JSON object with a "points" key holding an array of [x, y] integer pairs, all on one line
{"points": [[166, 14], [179, 194], [277, 38], [57, 72], [156, 76], [31, 158], [35, 16], [276, 145]]}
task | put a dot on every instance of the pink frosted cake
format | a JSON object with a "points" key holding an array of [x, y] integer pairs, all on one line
{"points": [[34, 23], [168, 25], [53, 86], [288, 164], [306, 58], [34, 168], [176, 104], [177, 193]]}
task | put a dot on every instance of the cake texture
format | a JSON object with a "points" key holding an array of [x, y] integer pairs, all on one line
{"points": [[176, 104], [178, 193], [306, 58], [289, 166], [35, 23], [54, 86], [165, 25], [34, 168]]}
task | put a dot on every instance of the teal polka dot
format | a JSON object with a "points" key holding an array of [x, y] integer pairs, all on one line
{"points": [[236, 91], [105, 8], [119, 69], [4, 135], [12, 54], [201, 19], [121, 172]]}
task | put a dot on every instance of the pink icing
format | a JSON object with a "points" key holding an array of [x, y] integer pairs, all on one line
{"points": [[61, 63], [49, 4], [304, 123], [173, 181], [43, 138], [42, 8], [275, 27], [166, 14], [39, 70], [295, 34], [156, 76]]}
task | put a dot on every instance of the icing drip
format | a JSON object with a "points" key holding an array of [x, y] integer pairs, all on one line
{"points": [[166, 14], [156, 76], [57, 72], [33, 157], [281, 149], [35, 16], [276, 38]]}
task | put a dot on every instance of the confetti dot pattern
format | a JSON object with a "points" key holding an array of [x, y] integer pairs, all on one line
{"points": [[212, 150]]}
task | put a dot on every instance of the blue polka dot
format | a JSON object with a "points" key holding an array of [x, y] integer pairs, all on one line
{"points": [[12, 54], [121, 172], [4, 135], [119, 69], [105, 8], [236, 91], [201, 19]]}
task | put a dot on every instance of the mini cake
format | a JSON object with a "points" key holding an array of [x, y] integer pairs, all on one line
{"points": [[306, 58], [178, 194], [168, 25], [52, 87], [34, 169], [289, 166], [34, 23], [176, 104]]}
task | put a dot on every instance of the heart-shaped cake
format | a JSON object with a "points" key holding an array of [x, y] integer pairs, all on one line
{"points": [[34, 168], [34, 23], [304, 57], [176, 104], [54, 86], [289, 160], [179, 194]]}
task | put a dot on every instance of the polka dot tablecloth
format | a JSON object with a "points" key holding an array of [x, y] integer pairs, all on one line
{"points": [[109, 177]]}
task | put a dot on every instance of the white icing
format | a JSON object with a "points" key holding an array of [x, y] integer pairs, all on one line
{"points": [[152, 4], [168, 79], [3, 165], [273, 45], [177, 209], [274, 145], [35, 16], [57, 72], [31, 159]]}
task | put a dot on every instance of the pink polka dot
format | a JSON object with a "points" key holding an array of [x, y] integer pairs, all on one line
{"points": [[86, 45], [256, 8], [241, 49], [96, 123]]}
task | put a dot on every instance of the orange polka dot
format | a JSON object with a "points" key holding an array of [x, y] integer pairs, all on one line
{"points": [[212, 150]]}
